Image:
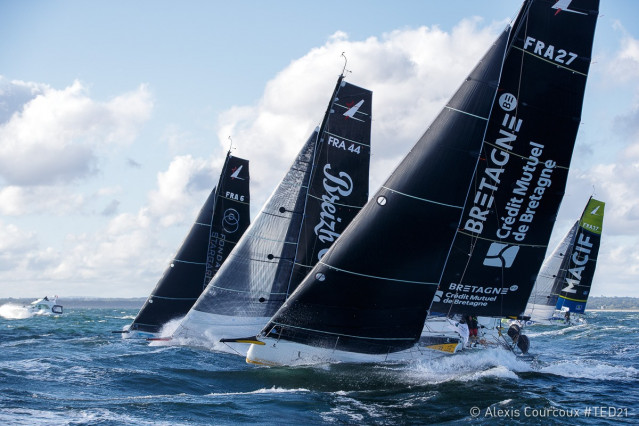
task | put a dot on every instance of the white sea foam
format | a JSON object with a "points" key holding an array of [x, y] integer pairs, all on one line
{"points": [[274, 389], [13, 311], [589, 369], [468, 366]]}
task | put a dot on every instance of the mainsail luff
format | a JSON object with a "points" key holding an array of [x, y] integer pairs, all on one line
{"points": [[371, 291], [525, 159], [194, 263]]}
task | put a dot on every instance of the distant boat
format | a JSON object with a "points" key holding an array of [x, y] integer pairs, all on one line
{"points": [[45, 305], [221, 222], [325, 187], [563, 285], [506, 136]]}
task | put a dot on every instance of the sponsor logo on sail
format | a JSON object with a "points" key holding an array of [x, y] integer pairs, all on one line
{"points": [[501, 255], [474, 296], [564, 6], [350, 113], [236, 172], [579, 260], [231, 220], [594, 212], [335, 187]]}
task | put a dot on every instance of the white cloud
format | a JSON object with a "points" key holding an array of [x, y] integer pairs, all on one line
{"points": [[54, 136], [412, 74], [172, 202]]}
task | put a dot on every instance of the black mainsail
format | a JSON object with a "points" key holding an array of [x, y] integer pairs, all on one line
{"points": [[370, 293], [521, 177], [325, 187], [220, 224]]}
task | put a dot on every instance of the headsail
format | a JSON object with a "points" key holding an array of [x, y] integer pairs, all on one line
{"points": [[323, 190], [371, 291], [521, 176], [221, 222]]}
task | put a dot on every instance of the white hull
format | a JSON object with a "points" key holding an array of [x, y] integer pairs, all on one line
{"points": [[287, 353], [46, 305], [202, 329]]}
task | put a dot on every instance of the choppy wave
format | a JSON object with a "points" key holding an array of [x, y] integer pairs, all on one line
{"points": [[73, 370]]}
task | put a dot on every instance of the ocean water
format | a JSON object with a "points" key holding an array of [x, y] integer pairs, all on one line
{"points": [[71, 369]]}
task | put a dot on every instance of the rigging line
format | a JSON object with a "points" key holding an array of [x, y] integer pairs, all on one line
{"points": [[346, 139], [233, 199], [201, 224], [466, 113], [347, 108], [191, 263], [551, 62], [153, 296], [514, 154], [374, 276], [244, 291], [337, 204], [499, 241], [421, 199], [339, 334]]}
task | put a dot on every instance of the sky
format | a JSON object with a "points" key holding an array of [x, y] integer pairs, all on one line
{"points": [[115, 118]]}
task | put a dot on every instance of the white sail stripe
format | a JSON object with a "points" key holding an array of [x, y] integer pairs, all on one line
{"points": [[244, 291], [422, 199], [519, 155], [192, 263], [153, 296], [376, 277], [233, 199], [269, 239], [347, 108], [557, 64], [467, 113], [202, 224], [337, 204], [500, 241], [340, 334], [346, 139]]}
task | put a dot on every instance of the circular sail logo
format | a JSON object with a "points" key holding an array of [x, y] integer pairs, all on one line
{"points": [[231, 220], [508, 102]]}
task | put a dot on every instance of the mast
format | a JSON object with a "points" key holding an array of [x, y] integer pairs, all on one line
{"points": [[371, 291]]}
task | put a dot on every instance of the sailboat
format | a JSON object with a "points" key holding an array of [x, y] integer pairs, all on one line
{"points": [[325, 187], [564, 282], [219, 225], [511, 126]]}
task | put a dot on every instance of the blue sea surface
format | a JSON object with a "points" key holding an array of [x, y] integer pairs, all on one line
{"points": [[70, 369]]}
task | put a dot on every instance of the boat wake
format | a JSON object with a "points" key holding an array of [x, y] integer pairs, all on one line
{"points": [[468, 366], [13, 311]]}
